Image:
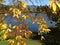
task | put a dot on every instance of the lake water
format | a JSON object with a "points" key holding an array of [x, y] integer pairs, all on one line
{"points": [[32, 27]]}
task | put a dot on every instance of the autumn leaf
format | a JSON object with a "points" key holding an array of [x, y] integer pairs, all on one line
{"points": [[42, 38], [54, 7], [18, 38], [4, 26], [21, 43], [4, 36], [33, 22], [10, 9], [58, 3], [9, 30], [27, 35], [23, 4], [47, 30], [30, 32], [52, 0], [24, 16], [11, 42], [39, 23], [14, 27], [6, 14], [16, 12]]}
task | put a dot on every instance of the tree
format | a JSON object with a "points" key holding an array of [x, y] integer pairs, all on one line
{"points": [[23, 30]]}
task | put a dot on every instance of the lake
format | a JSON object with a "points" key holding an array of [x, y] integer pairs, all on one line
{"points": [[32, 27]]}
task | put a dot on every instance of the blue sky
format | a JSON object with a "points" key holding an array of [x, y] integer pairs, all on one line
{"points": [[36, 2]]}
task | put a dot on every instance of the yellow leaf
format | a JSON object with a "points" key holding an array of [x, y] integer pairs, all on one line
{"points": [[58, 3], [54, 7], [4, 26], [30, 31], [18, 43], [21, 43], [38, 22], [42, 38], [47, 30], [6, 14], [11, 9], [14, 27], [9, 30], [11, 42], [27, 35], [23, 4], [5, 36], [24, 16], [18, 38], [19, 12], [52, 0], [33, 22], [17, 16]]}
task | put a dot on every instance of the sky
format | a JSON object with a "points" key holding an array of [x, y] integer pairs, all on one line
{"points": [[35, 2]]}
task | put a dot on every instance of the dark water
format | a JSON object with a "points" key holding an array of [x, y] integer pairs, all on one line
{"points": [[33, 27]]}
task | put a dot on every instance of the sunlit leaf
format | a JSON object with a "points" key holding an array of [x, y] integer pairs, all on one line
{"points": [[58, 3], [1, 32], [21, 43], [27, 35], [38, 22], [54, 7], [52, 1], [11, 42], [30, 31], [6, 14], [24, 16], [5, 36], [14, 27], [10, 9], [18, 43], [23, 4], [4, 26], [42, 38], [47, 30], [33, 22], [9, 30], [18, 38]]}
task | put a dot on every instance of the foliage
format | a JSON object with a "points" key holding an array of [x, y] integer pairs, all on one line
{"points": [[22, 30]]}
